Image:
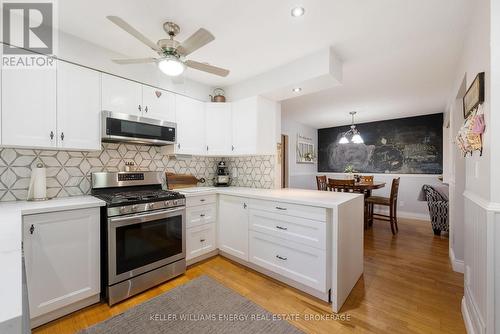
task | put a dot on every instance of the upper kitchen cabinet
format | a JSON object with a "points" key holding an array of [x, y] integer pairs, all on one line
{"points": [[29, 107], [158, 103], [121, 95], [254, 126], [190, 118], [78, 107], [218, 125]]}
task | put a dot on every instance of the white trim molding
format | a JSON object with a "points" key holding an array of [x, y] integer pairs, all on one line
{"points": [[481, 302], [456, 264]]}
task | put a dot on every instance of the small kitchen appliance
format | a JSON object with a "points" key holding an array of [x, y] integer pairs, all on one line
{"points": [[143, 232], [222, 179]]}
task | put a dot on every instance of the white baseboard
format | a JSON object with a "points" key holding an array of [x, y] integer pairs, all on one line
{"points": [[467, 320], [457, 265], [406, 214]]}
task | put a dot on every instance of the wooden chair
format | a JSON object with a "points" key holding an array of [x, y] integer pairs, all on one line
{"points": [[366, 179], [340, 185], [321, 182], [391, 202]]}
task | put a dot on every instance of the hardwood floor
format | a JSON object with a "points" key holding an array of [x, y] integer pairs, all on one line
{"points": [[408, 287]]}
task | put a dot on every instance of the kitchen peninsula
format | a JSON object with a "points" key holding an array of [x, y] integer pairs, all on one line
{"points": [[311, 240]]}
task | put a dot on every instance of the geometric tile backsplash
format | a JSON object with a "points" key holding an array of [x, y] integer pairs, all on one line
{"points": [[68, 172]]}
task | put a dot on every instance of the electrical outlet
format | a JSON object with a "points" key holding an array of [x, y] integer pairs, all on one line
{"points": [[401, 203]]}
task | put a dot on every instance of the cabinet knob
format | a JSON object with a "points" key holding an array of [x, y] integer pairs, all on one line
{"points": [[146, 109], [281, 228], [32, 229], [280, 208], [202, 200], [139, 107], [282, 258], [244, 205], [62, 135], [179, 145], [202, 240], [202, 215], [51, 135], [232, 147], [207, 147]]}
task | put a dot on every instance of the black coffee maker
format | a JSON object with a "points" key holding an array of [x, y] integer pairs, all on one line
{"points": [[222, 179]]}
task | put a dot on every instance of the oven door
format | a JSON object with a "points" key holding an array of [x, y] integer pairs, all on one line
{"points": [[143, 242]]}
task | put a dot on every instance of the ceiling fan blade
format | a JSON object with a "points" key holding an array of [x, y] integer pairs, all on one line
{"points": [[200, 38], [132, 31], [134, 61], [207, 68]]}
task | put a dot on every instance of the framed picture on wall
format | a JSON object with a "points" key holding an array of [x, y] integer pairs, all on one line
{"points": [[474, 95]]}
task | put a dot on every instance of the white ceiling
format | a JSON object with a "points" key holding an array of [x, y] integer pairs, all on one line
{"points": [[399, 55]]}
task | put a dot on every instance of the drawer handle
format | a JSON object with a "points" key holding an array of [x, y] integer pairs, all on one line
{"points": [[281, 228], [202, 240], [280, 208], [282, 258], [202, 215], [32, 229], [202, 200]]}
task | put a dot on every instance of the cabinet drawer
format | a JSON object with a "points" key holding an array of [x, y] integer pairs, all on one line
{"points": [[200, 240], [200, 200], [304, 211], [305, 231], [199, 215], [298, 262]]}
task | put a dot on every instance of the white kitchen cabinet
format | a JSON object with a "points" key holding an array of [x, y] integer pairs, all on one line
{"points": [[200, 240], [190, 117], [121, 95], [78, 107], [158, 104], [218, 128], [254, 126], [29, 107], [233, 226], [62, 257]]}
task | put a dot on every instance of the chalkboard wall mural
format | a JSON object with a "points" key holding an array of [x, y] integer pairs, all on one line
{"points": [[411, 145]]}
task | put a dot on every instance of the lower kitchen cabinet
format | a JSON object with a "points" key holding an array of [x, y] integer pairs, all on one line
{"points": [[233, 226], [61, 251], [200, 240]]}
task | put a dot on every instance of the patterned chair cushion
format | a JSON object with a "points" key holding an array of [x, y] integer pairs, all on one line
{"points": [[438, 208]]}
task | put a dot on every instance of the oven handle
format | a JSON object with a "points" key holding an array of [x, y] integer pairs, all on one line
{"points": [[144, 217]]}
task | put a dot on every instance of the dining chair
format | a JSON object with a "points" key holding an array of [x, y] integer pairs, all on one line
{"points": [[321, 182], [366, 179], [391, 202], [340, 185]]}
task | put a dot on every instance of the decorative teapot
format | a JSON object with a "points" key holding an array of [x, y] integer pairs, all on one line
{"points": [[218, 95]]}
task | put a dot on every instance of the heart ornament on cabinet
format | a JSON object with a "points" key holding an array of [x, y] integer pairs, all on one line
{"points": [[158, 93]]}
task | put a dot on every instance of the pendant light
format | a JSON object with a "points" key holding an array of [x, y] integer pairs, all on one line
{"points": [[352, 133]]}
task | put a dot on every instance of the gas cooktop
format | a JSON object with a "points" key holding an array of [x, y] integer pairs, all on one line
{"points": [[137, 196]]}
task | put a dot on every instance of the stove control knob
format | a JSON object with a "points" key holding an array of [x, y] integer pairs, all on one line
{"points": [[166, 204], [134, 208], [175, 202], [123, 209], [151, 206]]}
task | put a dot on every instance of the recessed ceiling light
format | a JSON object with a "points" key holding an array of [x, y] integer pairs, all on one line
{"points": [[298, 11], [297, 90]]}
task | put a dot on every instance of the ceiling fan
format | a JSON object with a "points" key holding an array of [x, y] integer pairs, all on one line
{"points": [[171, 52]]}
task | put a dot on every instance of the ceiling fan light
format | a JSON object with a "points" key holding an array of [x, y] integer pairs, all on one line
{"points": [[344, 140], [357, 139], [171, 66]]}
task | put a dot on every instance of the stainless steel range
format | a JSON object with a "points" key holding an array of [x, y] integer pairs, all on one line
{"points": [[143, 232]]}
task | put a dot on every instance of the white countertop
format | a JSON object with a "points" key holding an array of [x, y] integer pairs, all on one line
{"points": [[323, 199], [10, 245]]}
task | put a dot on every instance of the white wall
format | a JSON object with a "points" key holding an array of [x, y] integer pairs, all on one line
{"points": [[300, 175]]}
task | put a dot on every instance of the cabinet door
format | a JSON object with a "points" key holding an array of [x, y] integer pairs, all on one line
{"points": [[78, 107], [29, 107], [244, 125], [200, 240], [158, 104], [190, 117], [62, 258], [218, 128], [121, 95], [233, 226]]}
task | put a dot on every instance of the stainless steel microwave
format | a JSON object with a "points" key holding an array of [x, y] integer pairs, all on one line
{"points": [[119, 127]]}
